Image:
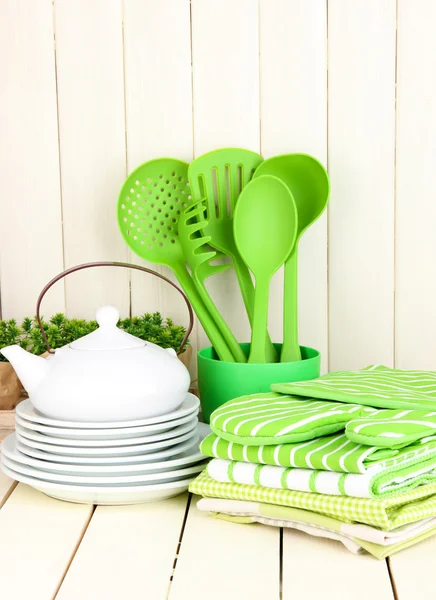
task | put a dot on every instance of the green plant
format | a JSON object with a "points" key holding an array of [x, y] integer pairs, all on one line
{"points": [[61, 331]]}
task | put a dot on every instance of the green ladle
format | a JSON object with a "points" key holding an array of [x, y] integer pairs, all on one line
{"points": [[265, 225], [309, 184], [149, 206]]}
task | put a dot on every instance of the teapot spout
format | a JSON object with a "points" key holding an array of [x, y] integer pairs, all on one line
{"points": [[31, 369]]}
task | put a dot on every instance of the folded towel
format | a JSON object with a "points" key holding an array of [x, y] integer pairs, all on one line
{"points": [[329, 453], [369, 485], [387, 513], [261, 419], [374, 386], [318, 525]]}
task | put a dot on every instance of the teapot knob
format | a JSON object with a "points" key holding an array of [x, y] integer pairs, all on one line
{"points": [[107, 316]]}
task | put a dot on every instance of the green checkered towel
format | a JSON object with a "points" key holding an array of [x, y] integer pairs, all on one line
{"points": [[387, 513], [374, 386]]}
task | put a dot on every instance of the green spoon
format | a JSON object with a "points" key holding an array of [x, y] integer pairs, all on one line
{"points": [[149, 206], [309, 184], [265, 229]]}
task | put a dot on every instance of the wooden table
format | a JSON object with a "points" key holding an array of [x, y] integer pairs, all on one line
{"points": [[52, 549]]}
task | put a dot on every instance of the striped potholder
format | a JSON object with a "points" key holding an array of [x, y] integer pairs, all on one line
{"points": [[270, 419], [392, 428]]}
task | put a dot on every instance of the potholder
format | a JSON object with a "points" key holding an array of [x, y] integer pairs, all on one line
{"points": [[374, 386], [392, 428], [271, 419]]}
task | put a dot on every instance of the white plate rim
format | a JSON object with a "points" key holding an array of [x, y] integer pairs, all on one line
{"points": [[176, 475], [115, 451], [106, 460], [101, 443], [179, 412], [101, 433], [9, 449]]}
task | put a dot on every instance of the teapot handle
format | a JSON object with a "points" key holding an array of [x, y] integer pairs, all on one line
{"points": [[111, 264]]}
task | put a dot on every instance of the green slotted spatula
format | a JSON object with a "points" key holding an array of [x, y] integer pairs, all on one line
{"points": [[149, 206], [218, 177]]}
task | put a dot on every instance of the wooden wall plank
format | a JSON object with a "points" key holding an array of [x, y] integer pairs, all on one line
{"points": [[415, 332], [30, 205], [39, 536], [335, 568], [219, 560], [157, 45], [361, 108], [293, 73], [89, 53], [225, 47], [127, 552]]}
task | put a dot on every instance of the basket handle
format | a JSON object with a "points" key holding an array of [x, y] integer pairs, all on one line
{"points": [[111, 264]]}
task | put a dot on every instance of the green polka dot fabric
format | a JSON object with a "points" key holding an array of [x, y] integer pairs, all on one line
{"points": [[271, 418]]}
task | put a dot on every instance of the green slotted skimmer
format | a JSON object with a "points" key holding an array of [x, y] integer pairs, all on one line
{"points": [[218, 177], [199, 255], [149, 206], [265, 229], [309, 184]]}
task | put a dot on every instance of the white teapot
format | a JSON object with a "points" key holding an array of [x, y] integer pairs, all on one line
{"points": [[108, 375]]}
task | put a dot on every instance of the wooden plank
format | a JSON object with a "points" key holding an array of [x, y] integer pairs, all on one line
{"points": [[314, 567], [41, 534], [415, 181], [225, 47], [157, 46], [30, 205], [92, 145], [412, 570], [293, 73], [361, 108], [219, 560], [127, 552], [6, 485]]}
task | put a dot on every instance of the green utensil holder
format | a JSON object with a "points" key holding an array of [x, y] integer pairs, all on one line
{"points": [[221, 381]]}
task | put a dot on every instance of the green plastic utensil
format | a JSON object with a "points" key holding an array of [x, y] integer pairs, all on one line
{"points": [[149, 206], [218, 177], [199, 255], [309, 184], [265, 227]]}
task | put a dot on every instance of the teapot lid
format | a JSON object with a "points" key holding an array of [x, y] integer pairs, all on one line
{"points": [[108, 336]]}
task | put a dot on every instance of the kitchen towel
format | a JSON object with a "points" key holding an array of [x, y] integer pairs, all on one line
{"points": [[324, 527], [367, 533], [369, 485], [329, 453], [387, 513], [261, 419], [376, 385]]}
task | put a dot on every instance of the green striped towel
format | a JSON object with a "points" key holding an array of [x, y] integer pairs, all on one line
{"points": [[270, 418], [370, 485], [374, 386], [329, 453], [387, 513]]}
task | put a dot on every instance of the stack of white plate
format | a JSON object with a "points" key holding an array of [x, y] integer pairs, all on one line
{"points": [[126, 462]]}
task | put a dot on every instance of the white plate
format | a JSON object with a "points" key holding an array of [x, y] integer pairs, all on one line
{"points": [[101, 443], [52, 449], [105, 434], [52, 459], [192, 456], [109, 495], [97, 480], [189, 405]]}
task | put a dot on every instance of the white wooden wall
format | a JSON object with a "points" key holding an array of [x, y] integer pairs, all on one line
{"points": [[90, 89]]}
